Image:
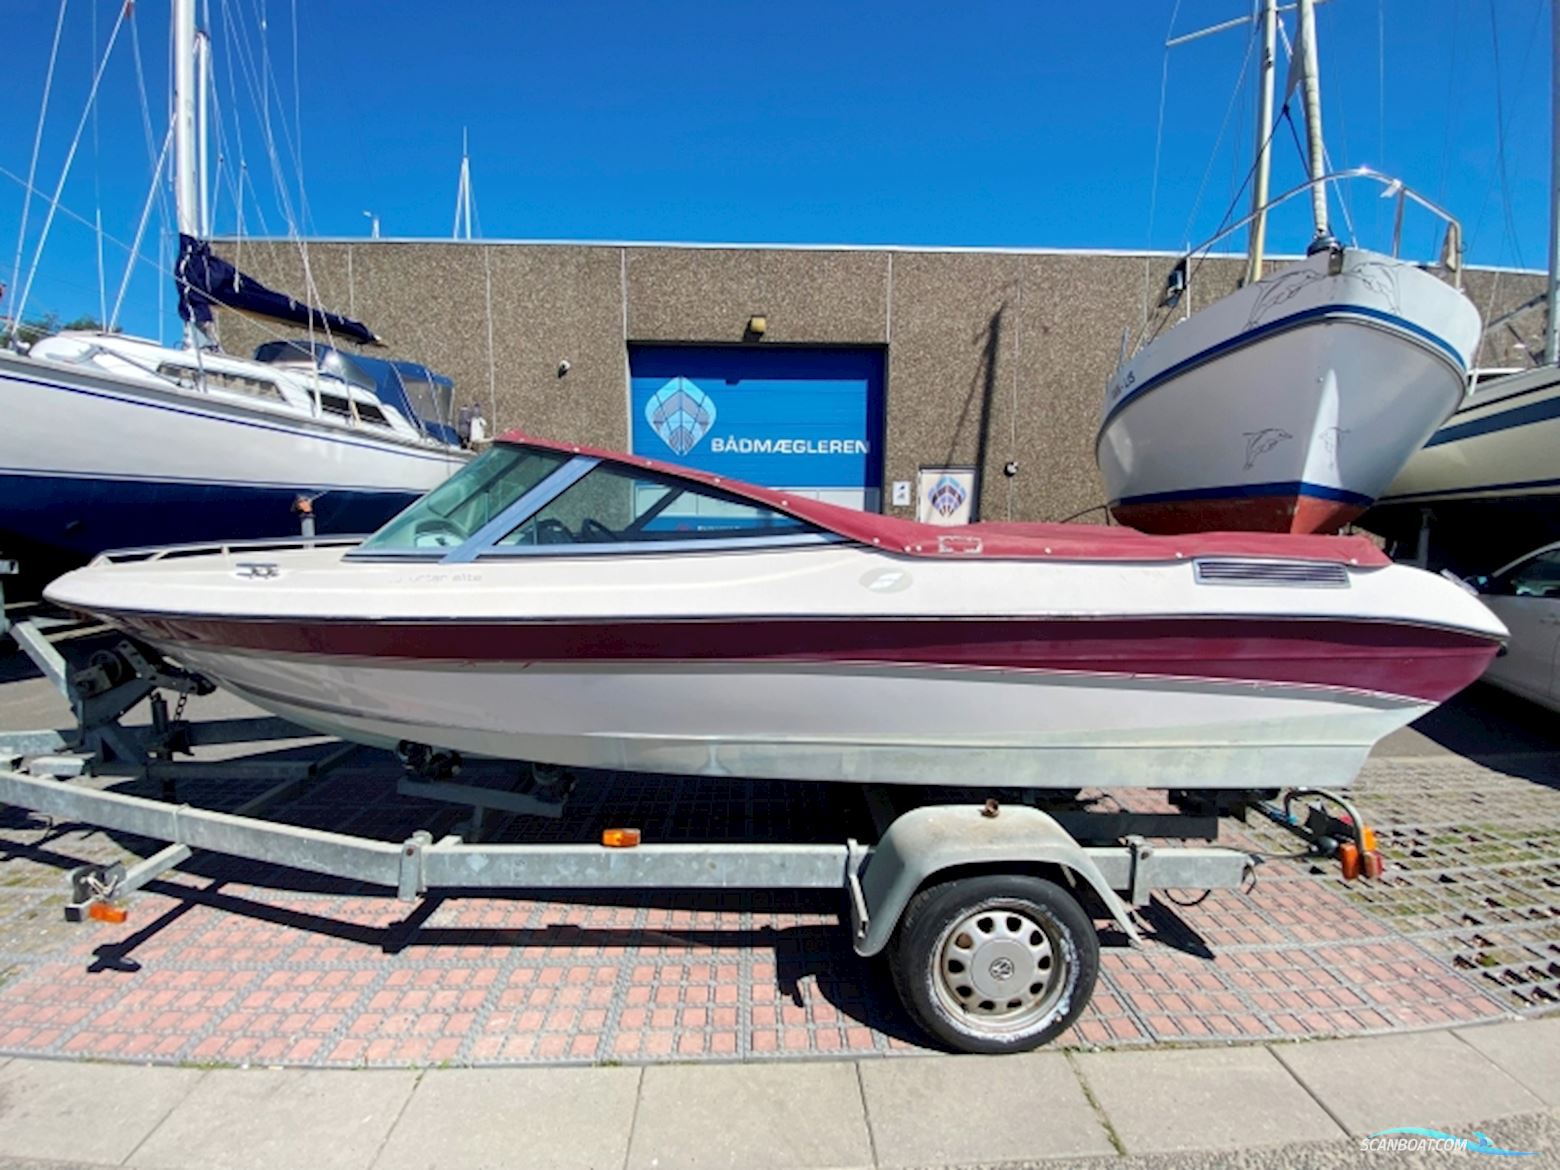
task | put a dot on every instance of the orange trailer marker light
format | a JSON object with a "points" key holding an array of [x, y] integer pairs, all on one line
{"points": [[620, 838], [1372, 865], [1349, 860], [105, 912], [1368, 835]]}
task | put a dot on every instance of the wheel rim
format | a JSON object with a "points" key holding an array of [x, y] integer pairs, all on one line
{"points": [[1001, 968]]}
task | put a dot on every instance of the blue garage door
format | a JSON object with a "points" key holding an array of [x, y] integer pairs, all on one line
{"points": [[810, 420]]}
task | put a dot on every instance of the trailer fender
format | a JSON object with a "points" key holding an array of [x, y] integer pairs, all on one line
{"points": [[926, 841]]}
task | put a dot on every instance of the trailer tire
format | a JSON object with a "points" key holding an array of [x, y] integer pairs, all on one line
{"points": [[995, 963]]}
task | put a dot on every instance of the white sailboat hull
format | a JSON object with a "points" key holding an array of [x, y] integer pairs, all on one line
{"points": [[1290, 404], [90, 461], [1490, 477]]}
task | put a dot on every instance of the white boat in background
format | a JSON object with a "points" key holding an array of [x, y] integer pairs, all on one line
{"points": [[586, 608], [1290, 404], [111, 440], [1486, 486]]}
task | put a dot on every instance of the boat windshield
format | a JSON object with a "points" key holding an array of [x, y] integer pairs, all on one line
{"points": [[617, 505], [450, 514]]}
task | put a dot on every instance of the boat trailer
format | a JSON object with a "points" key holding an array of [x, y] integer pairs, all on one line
{"points": [[985, 909]]}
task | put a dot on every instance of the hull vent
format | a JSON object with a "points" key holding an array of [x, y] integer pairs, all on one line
{"points": [[1319, 575]]}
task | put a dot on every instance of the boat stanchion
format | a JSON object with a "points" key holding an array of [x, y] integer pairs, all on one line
{"points": [[8, 568], [303, 508]]}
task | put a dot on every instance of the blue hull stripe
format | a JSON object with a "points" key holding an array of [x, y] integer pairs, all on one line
{"points": [[387, 448], [1248, 491], [1283, 325], [79, 517], [1504, 420]]}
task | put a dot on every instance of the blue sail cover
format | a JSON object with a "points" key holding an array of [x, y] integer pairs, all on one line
{"points": [[206, 280]]}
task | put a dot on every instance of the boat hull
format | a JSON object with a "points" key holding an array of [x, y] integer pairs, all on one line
{"points": [[1002, 729], [1289, 405], [1490, 478], [1177, 666], [1144, 702], [89, 462]]}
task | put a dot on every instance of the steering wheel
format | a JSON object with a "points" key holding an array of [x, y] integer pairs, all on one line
{"points": [[439, 531], [596, 531], [550, 530]]}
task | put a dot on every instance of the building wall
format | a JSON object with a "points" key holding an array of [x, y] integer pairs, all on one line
{"points": [[993, 357]]}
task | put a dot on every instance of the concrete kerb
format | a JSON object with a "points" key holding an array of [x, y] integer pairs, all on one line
{"points": [[1529, 1050], [1165, 1108], [1422, 1079]]}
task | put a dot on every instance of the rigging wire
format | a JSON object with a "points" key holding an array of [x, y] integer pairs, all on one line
{"points": [[1229, 111], [161, 266], [1202, 254], [1337, 188], [1159, 140], [32, 166], [1381, 83], [110, 323], [243, 175], [156, 159], [70, 158], [1451, 90], [97, 195], [310, 287], [1500, 144], [264, 86], [1502, 123]]}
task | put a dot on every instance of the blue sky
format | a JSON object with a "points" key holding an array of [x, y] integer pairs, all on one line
{"points": [[1022, 124]]}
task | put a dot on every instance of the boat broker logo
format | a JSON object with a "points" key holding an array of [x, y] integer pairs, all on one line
{"points": [[1414, 1139], [681, 414], [947, 495]]}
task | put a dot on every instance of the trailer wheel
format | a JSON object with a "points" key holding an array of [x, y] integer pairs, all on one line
{"points": [[995, 963]]}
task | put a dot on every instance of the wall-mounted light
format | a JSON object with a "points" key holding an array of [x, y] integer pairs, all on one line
{"points": [[564, 367], [756, 328]]}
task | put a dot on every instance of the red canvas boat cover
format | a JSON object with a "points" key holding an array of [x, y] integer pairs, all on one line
{"points": [[1065, 542]]}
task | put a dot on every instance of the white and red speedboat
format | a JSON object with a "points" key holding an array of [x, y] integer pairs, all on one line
{"points": [[581, 607]]}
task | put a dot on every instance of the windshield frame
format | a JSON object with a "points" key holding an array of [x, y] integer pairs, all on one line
{"points": [[483, 543]]}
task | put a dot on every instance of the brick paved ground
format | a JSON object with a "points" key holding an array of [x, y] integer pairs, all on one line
{"points": [[229, 962]]}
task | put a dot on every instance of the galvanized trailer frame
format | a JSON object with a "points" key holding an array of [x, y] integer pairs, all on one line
{"points": [[878, 878], [942, 849]]}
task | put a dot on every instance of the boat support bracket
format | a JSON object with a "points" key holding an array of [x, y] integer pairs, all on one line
{"points": [[934, 839]]}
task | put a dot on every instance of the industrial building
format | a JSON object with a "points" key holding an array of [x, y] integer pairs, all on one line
{"points": [[861, 374]]}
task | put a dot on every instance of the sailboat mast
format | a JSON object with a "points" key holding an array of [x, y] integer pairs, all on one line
{"points": [[463, 193], [1311, 95], [186, 161], [1552, 322], [202, 134], [1259, 190]]}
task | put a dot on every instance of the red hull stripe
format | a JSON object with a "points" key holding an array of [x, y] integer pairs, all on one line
{"points": [[1410, 661]]}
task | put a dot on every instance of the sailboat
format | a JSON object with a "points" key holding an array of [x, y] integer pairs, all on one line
{"points": [[1486, 487], [112, 441], [1290, 404]]}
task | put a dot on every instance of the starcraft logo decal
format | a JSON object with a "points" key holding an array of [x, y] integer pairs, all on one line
{"points": [[947, 496], [681, 414]]}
